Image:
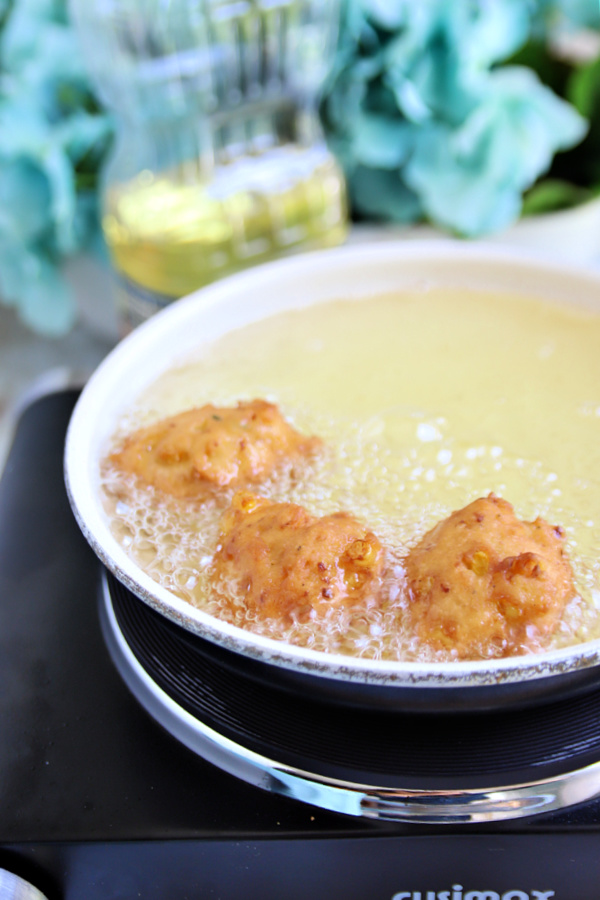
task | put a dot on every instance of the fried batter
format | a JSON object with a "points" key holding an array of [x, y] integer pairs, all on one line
{"points": [[284, 562], [482, 582], [196, 451]]}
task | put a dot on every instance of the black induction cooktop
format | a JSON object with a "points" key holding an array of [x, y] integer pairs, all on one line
{"points": [[99, 801]]}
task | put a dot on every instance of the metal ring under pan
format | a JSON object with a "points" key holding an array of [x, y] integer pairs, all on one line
{"points": [[391, 798], [452, 698]]}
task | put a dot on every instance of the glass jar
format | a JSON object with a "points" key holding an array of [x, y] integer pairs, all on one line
{"points": [[219, 161]]}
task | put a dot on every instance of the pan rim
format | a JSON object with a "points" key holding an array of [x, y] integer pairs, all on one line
{"points": [[80, 476]]}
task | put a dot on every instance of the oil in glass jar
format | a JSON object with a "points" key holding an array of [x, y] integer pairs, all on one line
{"points": [[219, 161]]}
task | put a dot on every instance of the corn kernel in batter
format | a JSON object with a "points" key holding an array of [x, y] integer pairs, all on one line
{"points": [[285, 562], [482, 582]]}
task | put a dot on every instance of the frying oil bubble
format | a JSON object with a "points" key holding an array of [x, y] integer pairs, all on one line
{"points": [[425, 400], [369, 470]]}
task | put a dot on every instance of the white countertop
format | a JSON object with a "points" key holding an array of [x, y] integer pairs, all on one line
{"points": [[28, 361]]}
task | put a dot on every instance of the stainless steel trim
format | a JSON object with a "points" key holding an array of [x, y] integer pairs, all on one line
{"points": [[370, 801], [14, 888]]}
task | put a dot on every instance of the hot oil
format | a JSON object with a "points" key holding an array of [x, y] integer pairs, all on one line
{"points": [[425, 401]]}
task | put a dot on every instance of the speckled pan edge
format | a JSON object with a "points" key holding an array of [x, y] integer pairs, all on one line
{"points": [[355, 271]]}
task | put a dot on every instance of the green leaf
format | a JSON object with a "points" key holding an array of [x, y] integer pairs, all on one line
{"points": [[552, 194], [582, 164], [583, 89]]}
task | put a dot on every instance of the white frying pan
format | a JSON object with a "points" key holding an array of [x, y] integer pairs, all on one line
{"points": [[351, 272]]}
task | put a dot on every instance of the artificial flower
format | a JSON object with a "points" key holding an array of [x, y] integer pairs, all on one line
{"points": [[431, 119], [53, 136]]}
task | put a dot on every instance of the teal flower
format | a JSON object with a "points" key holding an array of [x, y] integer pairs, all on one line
{"points": [[429, 122], [25, 198], [471, 179], [53, 137], [31, 281], [577, 13], [382, 194]]}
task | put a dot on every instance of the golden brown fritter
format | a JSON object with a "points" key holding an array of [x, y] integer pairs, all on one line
{"points": [[196, 451], [284, 562], [482, 582]]}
